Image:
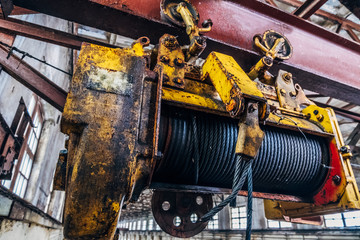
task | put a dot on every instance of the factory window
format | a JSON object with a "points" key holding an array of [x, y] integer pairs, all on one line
{"points": [[347, 219], [157, 226], [143, 225], [352, 219], [214, 222], [138, 225], [27, 126], [151, 222], [238, 218], [334, 220], [279, 224]]}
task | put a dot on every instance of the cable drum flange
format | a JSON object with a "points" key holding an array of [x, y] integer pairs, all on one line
{"points": [[288, 162]]}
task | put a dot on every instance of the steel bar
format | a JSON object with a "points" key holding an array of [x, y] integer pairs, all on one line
{"points": [[343, 22], [354, 136], [345, 113], [6, 6], [308, 8], [32, 79], [26, 29], [323, 61], [353, 6]]}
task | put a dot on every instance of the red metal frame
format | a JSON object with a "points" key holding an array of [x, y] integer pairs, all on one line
{"points": [[330, 191], [323, 61]]}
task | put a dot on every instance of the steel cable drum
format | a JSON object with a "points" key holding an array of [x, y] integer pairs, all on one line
{"points": [[288, 162]]}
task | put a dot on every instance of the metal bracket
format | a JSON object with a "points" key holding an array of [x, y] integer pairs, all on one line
{"points": [[250, 135], [172, 60]]}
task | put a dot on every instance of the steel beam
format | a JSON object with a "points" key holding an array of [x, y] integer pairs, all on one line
{"points": [[26, 29], [322, 61], [32, 79], [353, 6], [308, 8]]}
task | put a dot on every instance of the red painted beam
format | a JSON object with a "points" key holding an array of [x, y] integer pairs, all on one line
{"points": [[26, 29], [322, 61], [32, 79]]}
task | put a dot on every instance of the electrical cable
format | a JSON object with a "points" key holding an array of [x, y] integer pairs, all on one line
{"points": [[26, 54], [249, 203]]}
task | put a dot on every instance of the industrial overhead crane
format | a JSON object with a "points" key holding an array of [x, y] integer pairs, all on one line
{"points": [[159, 119]]}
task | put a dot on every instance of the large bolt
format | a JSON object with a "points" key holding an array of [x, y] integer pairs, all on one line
{"points": [[268, 61], [316, 112], [231, 106], [336, 179], [287, 77], [164, 59], [293, 93], [320, 117], [169, 42], [282, 92], [179, 62], [344, 149]]}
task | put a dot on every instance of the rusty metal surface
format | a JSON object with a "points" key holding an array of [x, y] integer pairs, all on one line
{"points": [[32, 79], [102, 118], [6, 6], [60, 172], [177, 212], [312, 68], [172, 61], [30, 30]]}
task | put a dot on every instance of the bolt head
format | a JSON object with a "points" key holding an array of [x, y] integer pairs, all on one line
{"points": [[316, 112], [293, 93], [344, 149], [282, 92], [164, 59], [336, 179], [179, 62], [287, 77]]}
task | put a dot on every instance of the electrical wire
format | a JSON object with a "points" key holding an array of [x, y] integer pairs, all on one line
{"points": [[26, 54], [249, 203]]}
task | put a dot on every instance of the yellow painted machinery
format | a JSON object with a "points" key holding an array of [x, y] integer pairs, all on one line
{"points": [[166, 120]]}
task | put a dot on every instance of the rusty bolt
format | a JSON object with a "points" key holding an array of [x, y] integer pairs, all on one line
{"points": [[316, 112], [179, 81], [287, 77], [164, 59], [320, 117], [170, 42], [231, 106], [268, 61], [179, 62], [344, 149], [282, 92], [336, 179], [293, 93]]}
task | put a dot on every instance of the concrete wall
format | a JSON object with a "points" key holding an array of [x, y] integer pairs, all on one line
{"points": [[10, 229], [39, 191]]}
